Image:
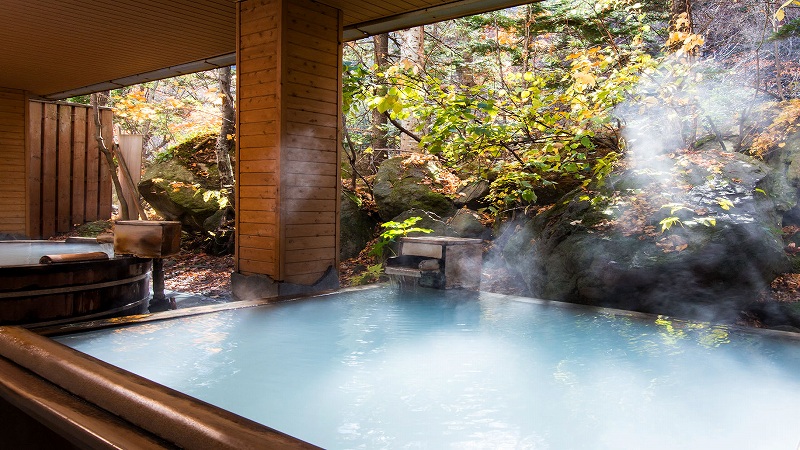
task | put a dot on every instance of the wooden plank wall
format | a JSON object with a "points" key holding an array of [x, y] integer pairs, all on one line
{"points": [[12, 161], [289, 68], [68, 183], [309, 166], [258, 140]]}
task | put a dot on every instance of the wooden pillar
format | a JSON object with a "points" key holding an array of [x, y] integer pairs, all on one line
{"points": [[288, 122], [13, 218]]}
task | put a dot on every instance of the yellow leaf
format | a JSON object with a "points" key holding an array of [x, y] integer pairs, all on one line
{"points": [[682, 22], [584, 78]]}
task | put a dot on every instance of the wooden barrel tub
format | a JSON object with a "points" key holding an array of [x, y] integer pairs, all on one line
{"points": [[67, 286]]}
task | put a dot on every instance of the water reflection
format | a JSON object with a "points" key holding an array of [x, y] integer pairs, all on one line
{"points": [[376, 369]]}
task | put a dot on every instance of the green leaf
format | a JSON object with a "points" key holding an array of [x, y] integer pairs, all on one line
{"points": [[528, 195]]}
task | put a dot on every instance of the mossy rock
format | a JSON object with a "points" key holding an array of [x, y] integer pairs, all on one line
{"points": [[357, 227], [177, 190], [608, 248], [467, 224], [473, 194], [400, 187], [198, 156]]}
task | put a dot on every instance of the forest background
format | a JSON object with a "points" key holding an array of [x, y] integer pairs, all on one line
{"points": [[535, 101]]}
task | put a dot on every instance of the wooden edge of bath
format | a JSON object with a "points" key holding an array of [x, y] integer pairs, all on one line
{"points": [[169, 415], [98, 324], [39, 414]]}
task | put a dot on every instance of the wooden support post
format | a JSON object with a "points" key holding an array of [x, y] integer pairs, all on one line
{"points": [[288, 125]]}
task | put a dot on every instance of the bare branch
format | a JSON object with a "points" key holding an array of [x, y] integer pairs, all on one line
{"points": [[402, 128]]}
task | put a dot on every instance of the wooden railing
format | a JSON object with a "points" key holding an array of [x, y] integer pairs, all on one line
{"points": [[68, 179]]}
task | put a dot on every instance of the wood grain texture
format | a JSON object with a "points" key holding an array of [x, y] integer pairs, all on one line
{"points": [[288, 132], [61, 176], [78, 163], [64, 169], [104, 188], [49, 169], [34, 170], [13, 153]]}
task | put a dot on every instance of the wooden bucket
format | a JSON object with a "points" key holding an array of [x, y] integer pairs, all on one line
{"points": [[67, 291]]}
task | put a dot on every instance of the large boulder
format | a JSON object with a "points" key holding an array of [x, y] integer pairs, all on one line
{"points": [[786, 178], [357, 227], [466, 224], [472, 194], [177, 183], [402, 184], [701, 239]]}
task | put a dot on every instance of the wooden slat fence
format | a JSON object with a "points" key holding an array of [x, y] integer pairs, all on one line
{"points": [[68, 179]]}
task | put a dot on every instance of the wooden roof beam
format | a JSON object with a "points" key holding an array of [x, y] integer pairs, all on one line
{"points": [[426, 16], [167, 72]]}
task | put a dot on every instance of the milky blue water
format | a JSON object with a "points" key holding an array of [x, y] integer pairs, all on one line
{"points": [[376, 369], [14, 253]]}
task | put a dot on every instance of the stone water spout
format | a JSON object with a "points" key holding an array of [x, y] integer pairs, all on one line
{"points": [[439, 262]]}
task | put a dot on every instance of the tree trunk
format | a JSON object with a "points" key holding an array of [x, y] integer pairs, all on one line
{"points": [[680, 10], [379, 121], [112, 166], [126, 173], [464, 72], [678, 7], [412, 53], [526, 50], [102, 98], [221, 241], [776, 49], [226, 132]]}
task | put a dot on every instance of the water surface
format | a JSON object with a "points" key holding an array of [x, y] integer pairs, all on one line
{"points": [[374, 369], [15, 253]]}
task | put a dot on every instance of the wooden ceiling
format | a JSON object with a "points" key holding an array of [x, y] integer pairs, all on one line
{"points": [[60, 48]]}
